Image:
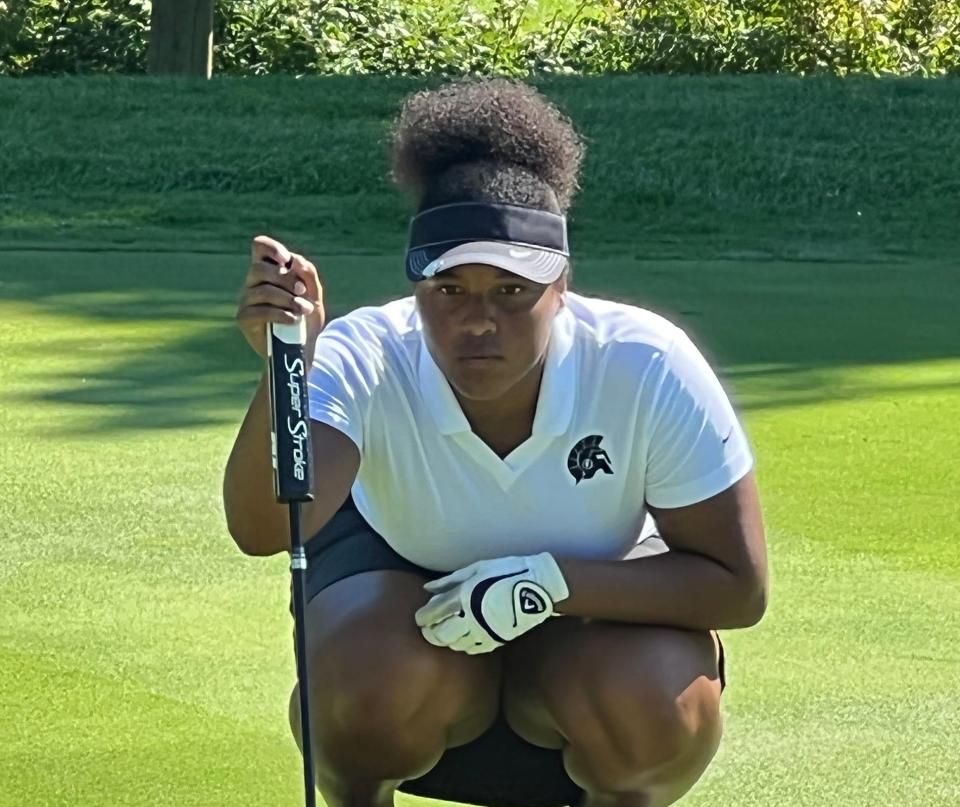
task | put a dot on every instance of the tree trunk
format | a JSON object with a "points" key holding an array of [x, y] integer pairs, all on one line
{"points": [[181, 38]]}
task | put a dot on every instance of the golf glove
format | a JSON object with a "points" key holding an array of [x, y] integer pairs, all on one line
{"points": [[484, 605]]}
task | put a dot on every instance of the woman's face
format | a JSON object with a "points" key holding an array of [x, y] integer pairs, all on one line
{"points": [[486, 328]]}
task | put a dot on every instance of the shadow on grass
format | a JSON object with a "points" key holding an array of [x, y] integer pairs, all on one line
{"points": [[194, 381], [147, 340], [781, 333]]}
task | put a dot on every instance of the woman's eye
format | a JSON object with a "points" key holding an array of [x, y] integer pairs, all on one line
{"points": [[448, 290], [512, 290]]}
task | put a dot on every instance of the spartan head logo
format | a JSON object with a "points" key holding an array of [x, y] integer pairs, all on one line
{"points": [[586, 458]]}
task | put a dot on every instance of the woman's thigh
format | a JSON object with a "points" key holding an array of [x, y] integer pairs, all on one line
{"points": [[368, 663], [571, 678]]}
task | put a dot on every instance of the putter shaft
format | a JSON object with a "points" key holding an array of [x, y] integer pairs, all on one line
{"points": [[298, 565]]}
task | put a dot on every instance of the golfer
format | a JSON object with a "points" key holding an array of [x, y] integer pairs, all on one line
{"points": [[491, 616]]}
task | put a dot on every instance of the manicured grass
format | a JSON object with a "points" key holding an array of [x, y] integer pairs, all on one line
{"points": [[147, 662]]}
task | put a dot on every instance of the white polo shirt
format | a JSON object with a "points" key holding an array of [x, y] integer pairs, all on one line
{"points": [[629, 412]]}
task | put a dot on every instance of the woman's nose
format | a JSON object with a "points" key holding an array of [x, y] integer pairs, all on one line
{"points": [[479, 317]]}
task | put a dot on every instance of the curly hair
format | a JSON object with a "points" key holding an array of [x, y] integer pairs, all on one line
{"points": [[488, 140]]}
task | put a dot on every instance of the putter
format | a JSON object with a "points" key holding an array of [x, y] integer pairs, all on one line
{"points": [[292, 479]]}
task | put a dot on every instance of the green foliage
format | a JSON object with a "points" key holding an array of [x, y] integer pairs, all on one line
{"points": [[799, 36], [389, 37], [45, 37], [507, 37]]}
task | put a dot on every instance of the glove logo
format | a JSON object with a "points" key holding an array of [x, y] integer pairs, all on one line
{"points": [[531, 601], [586, 458]]}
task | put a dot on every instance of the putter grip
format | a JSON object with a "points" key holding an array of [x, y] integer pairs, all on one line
{"points": [[290, 417]]}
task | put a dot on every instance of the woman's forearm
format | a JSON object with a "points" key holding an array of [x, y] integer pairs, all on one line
{"points": [[678, 589], [256, 521]]}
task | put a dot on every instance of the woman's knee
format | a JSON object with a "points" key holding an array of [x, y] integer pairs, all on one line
{"points": [[391, 716], [379, 693], [652, 710], [622, 740], [382, 687]]}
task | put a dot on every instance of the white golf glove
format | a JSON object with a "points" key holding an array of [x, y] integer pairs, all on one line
{"points": [[484, 605]]}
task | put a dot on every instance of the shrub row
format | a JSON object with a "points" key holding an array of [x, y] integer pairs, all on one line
{"points": [[509, 37]]}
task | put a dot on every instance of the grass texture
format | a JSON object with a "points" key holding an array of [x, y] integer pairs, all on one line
{"points": [[145, 661], [676, 166]]}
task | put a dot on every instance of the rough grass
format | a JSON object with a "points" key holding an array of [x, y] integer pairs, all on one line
{"points": [[677, 166]]}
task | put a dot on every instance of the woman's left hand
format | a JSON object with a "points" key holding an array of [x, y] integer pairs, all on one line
{"points": [[486, 604]]}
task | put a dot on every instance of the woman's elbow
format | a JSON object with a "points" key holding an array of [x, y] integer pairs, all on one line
{"points": [[251, 541], [252, 538], [754, 605]]}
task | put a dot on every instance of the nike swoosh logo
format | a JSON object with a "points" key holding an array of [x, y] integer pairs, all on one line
{"points": [[724, 440]]}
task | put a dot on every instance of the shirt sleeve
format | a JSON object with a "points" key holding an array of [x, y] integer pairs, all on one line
{"points": [[348, 367], [696, 445]]}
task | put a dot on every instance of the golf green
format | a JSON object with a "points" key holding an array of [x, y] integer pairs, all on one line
{"points": [[146, 661]]}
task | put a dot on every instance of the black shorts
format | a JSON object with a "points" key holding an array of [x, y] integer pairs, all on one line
{"points": [[498, 769]]}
